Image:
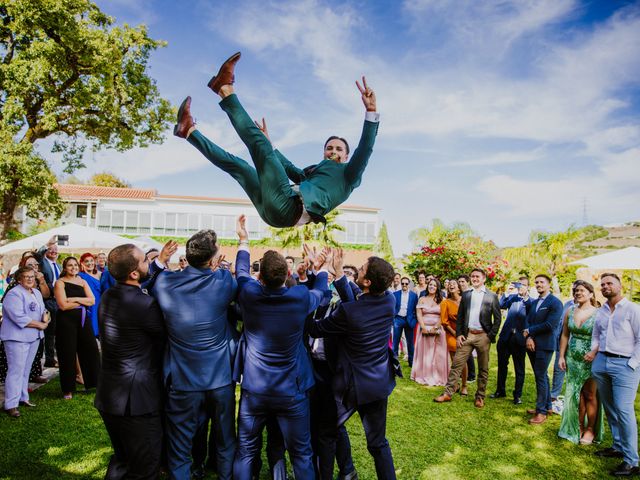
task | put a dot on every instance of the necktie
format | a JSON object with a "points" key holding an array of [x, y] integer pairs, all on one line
{"points": [[56, 271]]}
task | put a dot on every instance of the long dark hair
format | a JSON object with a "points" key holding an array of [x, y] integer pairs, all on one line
{"points": [[438, 294], [64, 265]]}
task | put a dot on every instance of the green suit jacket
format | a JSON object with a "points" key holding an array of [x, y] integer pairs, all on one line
{"points": [[326, 185]]}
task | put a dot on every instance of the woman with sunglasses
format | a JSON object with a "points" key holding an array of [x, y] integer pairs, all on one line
{"points": [[74, 333]]}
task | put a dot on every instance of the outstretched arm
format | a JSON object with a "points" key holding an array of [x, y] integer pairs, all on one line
{"points": [[360, 158], [243, 260], [294, 173]]}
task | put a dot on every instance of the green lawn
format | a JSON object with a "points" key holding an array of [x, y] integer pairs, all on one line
{"points": [[66, 439]]}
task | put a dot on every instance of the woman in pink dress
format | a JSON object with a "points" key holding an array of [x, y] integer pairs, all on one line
{"points": [[431, 360]]}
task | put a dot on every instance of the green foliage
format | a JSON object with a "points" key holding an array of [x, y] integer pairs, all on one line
{"points": [[67, 72], [449, 251], [25, 180], [383, 246], [108, 179], [310, 233]]}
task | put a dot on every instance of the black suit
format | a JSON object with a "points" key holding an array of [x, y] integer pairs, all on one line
{"points": [[52, 307], [129, 394]]}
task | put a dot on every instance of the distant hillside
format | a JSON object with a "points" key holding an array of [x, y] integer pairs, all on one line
{"points": [[619, 236]]}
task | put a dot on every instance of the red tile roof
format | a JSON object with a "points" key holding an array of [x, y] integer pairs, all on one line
{"points": [[86, 192], [92, 192]]}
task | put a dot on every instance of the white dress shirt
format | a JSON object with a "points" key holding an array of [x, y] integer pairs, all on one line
{"points": [[618, 332], [477, 295], [404, 303]]}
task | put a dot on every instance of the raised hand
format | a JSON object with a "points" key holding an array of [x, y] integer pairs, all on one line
{"points": [[338, 262], [263, 127], [217, 261], [241, 228], [167, 251], [368, 95]]}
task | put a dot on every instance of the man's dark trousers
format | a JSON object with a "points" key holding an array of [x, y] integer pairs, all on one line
{"points": [[400, 325], [510, 347], [182, 426], [540, 361], [374, 421], [292, 414], [139, 457]]}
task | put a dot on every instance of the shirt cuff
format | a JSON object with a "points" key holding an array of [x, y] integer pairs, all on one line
{"points": [[372, 117], [243, 248], [160, 265]]}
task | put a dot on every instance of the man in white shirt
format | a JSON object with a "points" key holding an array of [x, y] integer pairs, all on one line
{"points": [[615, 352], [478, 323]]}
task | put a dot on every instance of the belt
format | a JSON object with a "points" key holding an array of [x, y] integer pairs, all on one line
{"points": [[400, 316], [614, 355], [476, 332]]}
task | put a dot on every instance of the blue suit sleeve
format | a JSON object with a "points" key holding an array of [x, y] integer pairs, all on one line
{"points": [[243, 263], [318, 292], [334, 324], [360, 158], [344, 289]]}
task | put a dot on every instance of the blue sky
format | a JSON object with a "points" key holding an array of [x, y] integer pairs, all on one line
{"points": [[508, 115]]}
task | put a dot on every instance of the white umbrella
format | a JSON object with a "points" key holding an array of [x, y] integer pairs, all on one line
{"points": [[79, 237], [623, 259]]}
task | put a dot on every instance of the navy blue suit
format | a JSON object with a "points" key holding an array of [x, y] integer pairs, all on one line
{"points": [[198, 363], [275, 367], [364, 376], [542, 323], [511, 343], [52, 307], [406, 323]]}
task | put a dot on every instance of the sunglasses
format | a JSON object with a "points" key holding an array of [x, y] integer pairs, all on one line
{"points": [[404, 284]]}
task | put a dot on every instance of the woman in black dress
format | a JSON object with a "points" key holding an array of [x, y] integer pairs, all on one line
{"points": [[74, 334]]}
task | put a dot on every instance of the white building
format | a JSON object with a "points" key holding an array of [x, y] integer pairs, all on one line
{"points": [[138, 211]]}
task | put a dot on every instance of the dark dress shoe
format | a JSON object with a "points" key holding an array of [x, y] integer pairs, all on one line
{"points": [[197, 473], [225, 75], [40, 380], [50, 364], [497, 395], [349, 476], [442, 398], [27, 404], [517, 401], [185, 120], [625, 470], [609, 453], [12, 412]]}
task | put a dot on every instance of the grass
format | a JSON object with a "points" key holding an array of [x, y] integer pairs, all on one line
{"points": [[66, 439]]}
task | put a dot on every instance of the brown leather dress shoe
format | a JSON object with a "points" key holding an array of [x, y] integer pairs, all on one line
{"points": [[537, 419], [442, 398], [533, 411], [12, 412], [225, 75], [479, 403], [185, 120]]}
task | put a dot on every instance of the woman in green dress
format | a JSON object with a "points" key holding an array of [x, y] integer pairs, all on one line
{"points": [[582, 417]]}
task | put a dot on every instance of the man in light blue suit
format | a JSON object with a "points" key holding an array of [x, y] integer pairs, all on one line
{"points": [[199, 358], [405, 318], [272, 361]]}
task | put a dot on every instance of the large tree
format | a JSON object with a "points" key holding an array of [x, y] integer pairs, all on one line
{"points": [[66, 71], [108, 179]]}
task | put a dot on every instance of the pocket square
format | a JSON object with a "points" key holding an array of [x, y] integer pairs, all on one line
{"points": [[543, 308]]}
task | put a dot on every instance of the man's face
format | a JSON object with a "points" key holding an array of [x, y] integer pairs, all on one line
{"points": [[610, 287], [542, 286], [405, 284], [143, 265], [182, 263], [396, 280], [336, 150], [52, 253], [362, 272], [464, 285], [477, 279], [290, 264], [101, 259], [349, 273], [524, 288]]}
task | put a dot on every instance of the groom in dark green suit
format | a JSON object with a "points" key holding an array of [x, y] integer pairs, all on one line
{"points": [[319, 188]]}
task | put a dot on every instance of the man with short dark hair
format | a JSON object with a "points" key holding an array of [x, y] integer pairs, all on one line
{"points": [[320, 188], [129, 396], [615, 353], [198, 362], [396, 285], [540, 327], [478, 323], [405, 317], [364, 376], [511, 342], [272, 362]]}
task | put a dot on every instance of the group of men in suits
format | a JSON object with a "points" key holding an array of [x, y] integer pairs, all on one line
{"points": [[204, 357]]}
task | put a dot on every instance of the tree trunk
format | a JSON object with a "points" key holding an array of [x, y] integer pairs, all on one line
{"points": [[9, 204]]}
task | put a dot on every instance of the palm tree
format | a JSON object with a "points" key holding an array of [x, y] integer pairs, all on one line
{"points": [[310, 233]]}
